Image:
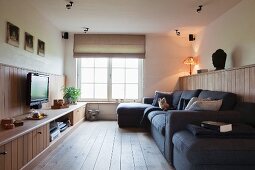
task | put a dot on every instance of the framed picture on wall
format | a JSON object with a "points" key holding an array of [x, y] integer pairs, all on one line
{"points": [[41, 48], [12, 36], [29, 42]]}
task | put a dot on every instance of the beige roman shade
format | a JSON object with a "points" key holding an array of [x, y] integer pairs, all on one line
{"points": [[109, 45]]}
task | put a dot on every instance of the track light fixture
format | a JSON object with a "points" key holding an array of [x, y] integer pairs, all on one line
{"points": [[199, 9], [85, 29], [69, 5], [178, 33]]}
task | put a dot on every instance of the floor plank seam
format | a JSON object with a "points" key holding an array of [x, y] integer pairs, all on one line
{"points": [[100, 149], [142, 152], [89, 151], [113, 148], [130, 140]]}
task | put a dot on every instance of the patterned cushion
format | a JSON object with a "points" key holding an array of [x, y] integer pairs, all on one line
{"points": [[212, 105]]}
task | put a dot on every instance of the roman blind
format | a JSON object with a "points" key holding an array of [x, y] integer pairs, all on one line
{"points": [[109, 45]]}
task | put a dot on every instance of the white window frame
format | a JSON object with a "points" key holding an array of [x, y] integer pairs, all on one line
{"points": [[109, 82]]}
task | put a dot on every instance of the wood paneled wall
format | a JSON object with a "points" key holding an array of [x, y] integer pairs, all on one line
{"points": [[13, 90], [237, 80]]}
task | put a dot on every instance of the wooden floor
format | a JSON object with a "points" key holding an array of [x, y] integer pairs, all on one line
{"points": [[101, 145]]}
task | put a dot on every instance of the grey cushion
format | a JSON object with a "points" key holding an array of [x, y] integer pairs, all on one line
{"points": [[228, 99], [214, 150], [186, 96], [159, 122]]}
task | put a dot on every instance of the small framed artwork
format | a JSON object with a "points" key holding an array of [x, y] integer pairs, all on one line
{"points": [[29, 42], [41, 48], [12, 36]]}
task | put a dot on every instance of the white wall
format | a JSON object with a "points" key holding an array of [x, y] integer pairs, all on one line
{"points": [[29, 20], [70, 68], [162, 66], [234, 32], [164, 62]]}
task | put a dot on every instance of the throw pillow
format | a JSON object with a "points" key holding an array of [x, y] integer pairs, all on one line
{"points": [[158, 95], [209, 105], [193, 100]]}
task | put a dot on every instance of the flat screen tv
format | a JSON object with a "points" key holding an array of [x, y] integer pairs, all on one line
{"points": [[38, 89]]}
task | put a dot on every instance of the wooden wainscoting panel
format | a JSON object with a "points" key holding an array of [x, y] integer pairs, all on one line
{"points": [[13, 90], [237, 80], [252, 84]]}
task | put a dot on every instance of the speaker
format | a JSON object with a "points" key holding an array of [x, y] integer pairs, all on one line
{"points": [[65, 35], [191, 37]]}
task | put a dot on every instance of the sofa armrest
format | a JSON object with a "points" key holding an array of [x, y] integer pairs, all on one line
{"points": [[177, 120], [147, 100]]}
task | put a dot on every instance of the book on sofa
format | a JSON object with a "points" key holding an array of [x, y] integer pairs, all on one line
{"points": [[219, 126]]}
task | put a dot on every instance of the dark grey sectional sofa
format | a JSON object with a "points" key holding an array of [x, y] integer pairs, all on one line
{"points": [[169, 131]]}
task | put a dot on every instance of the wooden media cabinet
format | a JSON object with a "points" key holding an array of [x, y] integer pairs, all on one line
{"points": [[24, 146]]}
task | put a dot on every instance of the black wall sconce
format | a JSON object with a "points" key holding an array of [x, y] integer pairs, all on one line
{"points": [[191, 37]]}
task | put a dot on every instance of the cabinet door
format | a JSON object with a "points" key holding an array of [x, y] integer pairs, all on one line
{"points": [[11, 155], [40, 139], [78, 115]]}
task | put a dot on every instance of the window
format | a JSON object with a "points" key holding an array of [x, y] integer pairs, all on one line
{"points": [[110, 78]]}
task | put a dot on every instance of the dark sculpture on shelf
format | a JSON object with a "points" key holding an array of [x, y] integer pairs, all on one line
{"points": [[219, 59]]}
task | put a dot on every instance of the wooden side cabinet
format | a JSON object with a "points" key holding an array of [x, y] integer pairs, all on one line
{"points": [[18, 152], [77, 115]]}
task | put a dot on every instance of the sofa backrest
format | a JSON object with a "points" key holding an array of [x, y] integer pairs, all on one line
{"points": [[176, 97], [186, 96], [228, 99], [247, 112]]}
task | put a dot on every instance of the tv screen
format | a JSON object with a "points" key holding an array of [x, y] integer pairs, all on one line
{"points": [[38, 88]]}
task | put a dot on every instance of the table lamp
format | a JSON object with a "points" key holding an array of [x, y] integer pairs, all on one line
{"points": [[190, 61]]}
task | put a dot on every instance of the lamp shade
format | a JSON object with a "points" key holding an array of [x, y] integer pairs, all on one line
{"points": [[189, 60]]}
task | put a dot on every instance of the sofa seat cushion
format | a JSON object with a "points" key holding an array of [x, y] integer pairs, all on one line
{"points": [[152, 114], [131, 108], [159, 122], [212, 151], [130, 114]]}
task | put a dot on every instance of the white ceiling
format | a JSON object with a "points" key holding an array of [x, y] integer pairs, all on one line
{"points": [[132, 16]]}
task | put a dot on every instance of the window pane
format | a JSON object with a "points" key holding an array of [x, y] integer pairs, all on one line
{"points": [[132, 91], [132, 63], [87, 62], [87, 75], [87, 91], [118, 91], [100, 75], [118, 62], [118, 75], [132, 76], [101, 62], [101, 91]]}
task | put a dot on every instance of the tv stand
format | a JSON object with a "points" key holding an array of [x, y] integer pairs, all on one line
{"points": [[31, 142]]}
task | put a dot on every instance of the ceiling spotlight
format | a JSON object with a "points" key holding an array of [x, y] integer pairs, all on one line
{"points": [[178, 33], [69, 5], [85, 29], [199, 9]]}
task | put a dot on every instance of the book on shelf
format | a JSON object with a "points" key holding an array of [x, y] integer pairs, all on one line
{"points": [[219, 126]]}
